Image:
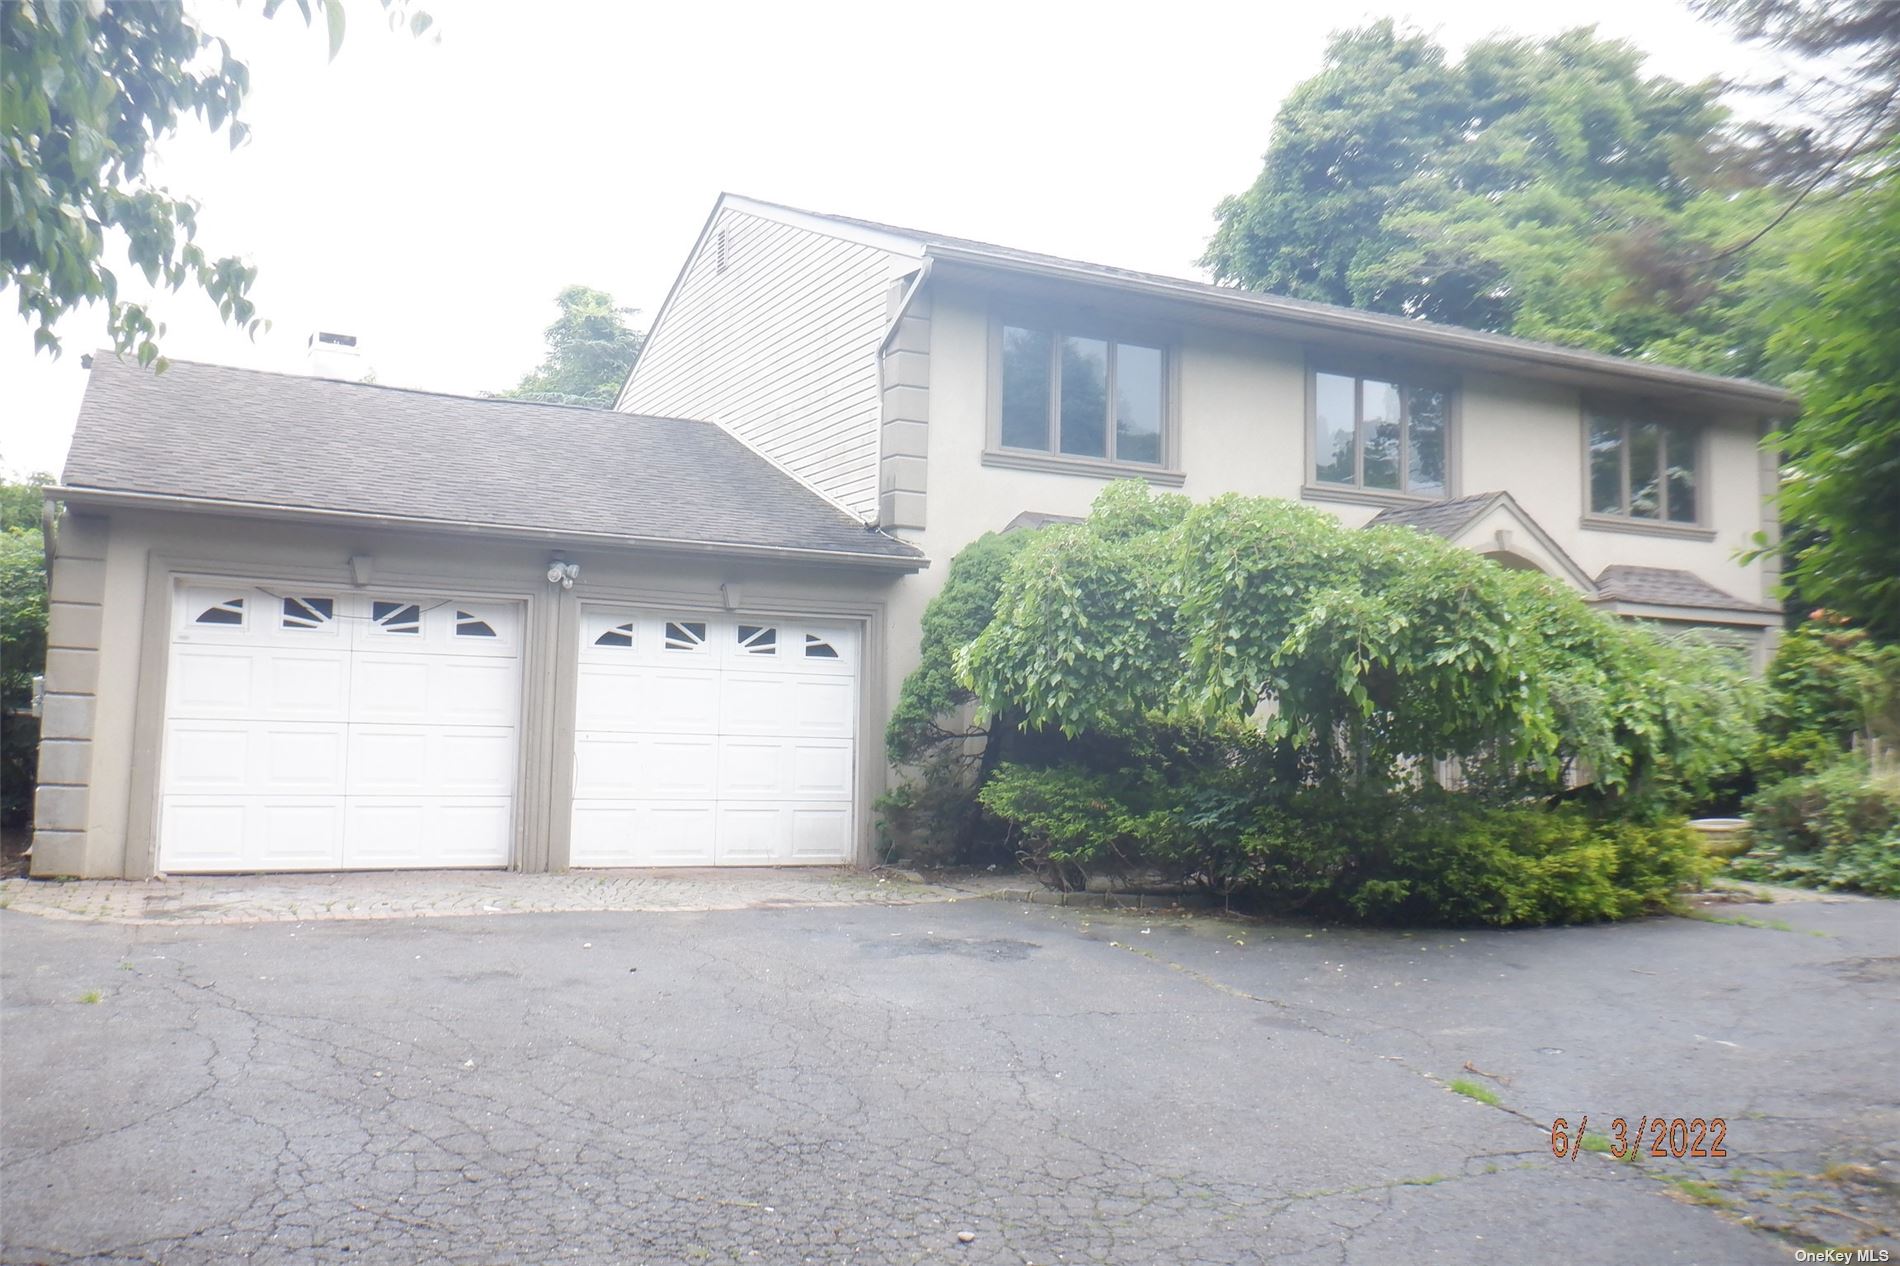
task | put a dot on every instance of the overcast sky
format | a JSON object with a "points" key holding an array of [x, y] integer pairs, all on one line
{"points": [[432, 196]]}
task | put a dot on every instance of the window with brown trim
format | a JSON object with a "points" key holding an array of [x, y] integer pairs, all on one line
{"points": [[1085, 396], [1380, 435], [1644, 468]]}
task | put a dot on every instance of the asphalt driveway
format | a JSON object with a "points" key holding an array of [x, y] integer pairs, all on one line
{"points": [[866, 1083]]}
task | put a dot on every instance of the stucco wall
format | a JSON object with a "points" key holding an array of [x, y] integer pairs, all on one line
{"points": [[1242, 418], [111, 699]]}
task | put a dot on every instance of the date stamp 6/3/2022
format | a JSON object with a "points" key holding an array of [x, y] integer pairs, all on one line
{"points": [[1693, 1137]]}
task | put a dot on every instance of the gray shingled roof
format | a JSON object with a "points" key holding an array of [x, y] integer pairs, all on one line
{"points": [[1445, 518], [287, 441], [1667, 587], [1759, 395]]}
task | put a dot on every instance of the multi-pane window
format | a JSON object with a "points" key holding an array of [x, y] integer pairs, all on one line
{"points": [[1073, 395], [1643, 469], [1381, 435]]}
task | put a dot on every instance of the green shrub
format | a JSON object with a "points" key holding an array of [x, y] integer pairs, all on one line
{"points": [[1422, 855], [1829, 685], [1836, 828]]}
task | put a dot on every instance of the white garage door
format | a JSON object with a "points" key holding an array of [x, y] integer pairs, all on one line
{"points": [[313, 730], [713, 741]]}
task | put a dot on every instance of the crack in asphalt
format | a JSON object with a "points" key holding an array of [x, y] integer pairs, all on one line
{"points": [[780, 1087]]}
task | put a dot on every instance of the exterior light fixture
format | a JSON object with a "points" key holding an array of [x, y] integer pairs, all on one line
{"points": [[563, 573]]}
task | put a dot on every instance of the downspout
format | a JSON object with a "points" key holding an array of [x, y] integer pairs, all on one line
{"points": [[48, 524]]}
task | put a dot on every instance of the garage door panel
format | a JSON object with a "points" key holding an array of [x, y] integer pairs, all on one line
{"points": [[405, 831], [821, 770], [472, 831], [309, 685], [824, 706], [391, 688], [300, 759], [208, 756], [821, 833], [472, 761], [385, 832], [204, 834], [753, 768], [754, 835], [389, 760], [651, 833], [471, 691], [606, 765], [755, 703], [214, 682], [300, 835], [679, 701]]}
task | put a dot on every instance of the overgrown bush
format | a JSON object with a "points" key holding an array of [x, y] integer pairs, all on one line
{"points": [[1366, 652], [1424, 855], [1830, 688], [1838, 827], [1250, 696], [22, 643], [931, 815]]}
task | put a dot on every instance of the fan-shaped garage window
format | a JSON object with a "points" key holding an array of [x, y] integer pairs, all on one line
{"points": [[467, 625], [308, 613], [758, 639], [620, 635], [397, 617], [818, 648], [685, 635], [229, 612]]}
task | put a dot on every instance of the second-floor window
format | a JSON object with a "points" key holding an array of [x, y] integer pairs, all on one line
{"points": [[1379, 435], [1641, 468], [1075, 395]]}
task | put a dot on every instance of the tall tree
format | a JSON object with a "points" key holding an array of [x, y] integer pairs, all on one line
{"points": [[1841, 473], [87, 90], [1839, 110], [591, 350], [1511, 190]]}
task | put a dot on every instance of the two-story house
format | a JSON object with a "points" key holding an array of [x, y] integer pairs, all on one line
{"points": [[303, 623]]}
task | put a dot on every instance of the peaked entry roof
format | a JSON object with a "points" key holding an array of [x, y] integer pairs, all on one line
{"points": [[242, 439]]}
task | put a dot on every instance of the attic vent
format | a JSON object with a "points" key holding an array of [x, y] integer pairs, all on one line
{"points": [[337, 340], [719, 251]]}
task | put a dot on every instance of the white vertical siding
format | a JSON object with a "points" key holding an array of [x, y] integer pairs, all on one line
{"points": [[779, 347]]}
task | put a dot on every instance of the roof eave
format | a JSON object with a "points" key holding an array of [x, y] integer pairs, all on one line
{"points": [[1746, 617], [1759, 399], [113, 497]]}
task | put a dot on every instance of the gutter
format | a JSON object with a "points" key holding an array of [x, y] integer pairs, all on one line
{"points": [[49, 528], [459, 527], [1743, 617], [1761, 396]]}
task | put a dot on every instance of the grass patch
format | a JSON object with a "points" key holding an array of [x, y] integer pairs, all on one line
{"points": [[1429, 1180], [1472, 1090], [1699, 1193], [91, 996], [1846, 1171]]}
